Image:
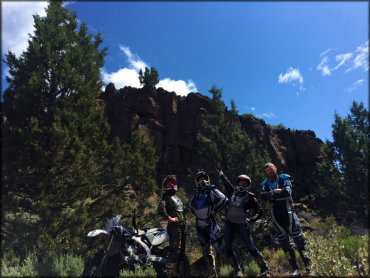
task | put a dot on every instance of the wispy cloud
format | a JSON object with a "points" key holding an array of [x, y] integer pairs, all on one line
{"points": [[325, 71], [342, 58], [266, 115], [326, 52], [17, 23], [353, 60], [362, 57], [355, 86], [129, 76], [134, 60]]}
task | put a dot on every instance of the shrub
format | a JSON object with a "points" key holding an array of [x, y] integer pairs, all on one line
{"points": [[27, 269], [225, 270], [138, 272], [266, 253], [343, 255], [61, 265], [281, 257], [251, 269]]}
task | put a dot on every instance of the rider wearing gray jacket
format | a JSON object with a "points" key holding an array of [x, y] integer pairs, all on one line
{"points": [[240, 201]]}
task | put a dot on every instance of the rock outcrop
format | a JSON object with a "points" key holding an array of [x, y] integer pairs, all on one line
{"points": [[173, 122]]}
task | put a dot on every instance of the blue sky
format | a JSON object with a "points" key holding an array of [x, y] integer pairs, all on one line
{"points": [[294, 63]]}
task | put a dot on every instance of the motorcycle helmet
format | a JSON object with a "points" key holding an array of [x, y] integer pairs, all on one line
{"points": [[203, 183], [169, 183], [243, 188]]}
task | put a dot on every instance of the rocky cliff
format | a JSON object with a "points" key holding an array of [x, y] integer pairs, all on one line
{"points": [[173, 122]]}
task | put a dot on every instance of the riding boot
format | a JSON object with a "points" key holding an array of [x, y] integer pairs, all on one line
{"points": [[262, 265], [300, 243], [210, 262], [234, 262], [293, 262]]}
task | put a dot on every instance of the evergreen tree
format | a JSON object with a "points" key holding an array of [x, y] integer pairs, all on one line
{"points": [[55, 134], [149, 78], [344, 172], [223, 143]]}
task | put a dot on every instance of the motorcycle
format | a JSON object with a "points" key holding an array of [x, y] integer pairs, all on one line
{"points": [[125, 247]]}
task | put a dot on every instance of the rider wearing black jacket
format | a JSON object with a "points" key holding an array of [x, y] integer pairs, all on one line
{"points": [[240, 201], [172, 209]]}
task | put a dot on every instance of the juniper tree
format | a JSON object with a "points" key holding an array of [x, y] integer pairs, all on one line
{"points": [[55, 134], [223, 143], [344, 171]]}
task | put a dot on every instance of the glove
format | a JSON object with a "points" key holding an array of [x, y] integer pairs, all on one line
{"points": [[251, 220], [172, 219]]}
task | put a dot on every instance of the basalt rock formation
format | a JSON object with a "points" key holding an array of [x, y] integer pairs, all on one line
{"points": [[173, 122]]}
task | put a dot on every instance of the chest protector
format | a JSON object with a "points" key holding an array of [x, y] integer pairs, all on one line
{"points": [[239, 200], [177, 204]]}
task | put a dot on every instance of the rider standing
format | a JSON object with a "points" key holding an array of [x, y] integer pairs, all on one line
{"points": [[240, 202], [278, 190], [172, 209], [205, 202]]}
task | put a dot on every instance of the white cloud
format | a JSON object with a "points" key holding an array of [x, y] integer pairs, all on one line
{"points": [[179, 86], [17, 23], [129, 76], [325, 71], [355, 86], [291, 75], [253, 108], [122, 77]]}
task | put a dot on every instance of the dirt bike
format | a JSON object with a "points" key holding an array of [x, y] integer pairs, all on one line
{"points": [[126, 247]]}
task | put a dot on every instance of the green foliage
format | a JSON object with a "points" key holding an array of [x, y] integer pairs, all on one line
{"points": [[148, 272], [281, 257], [304, 199], [222, 141], [52, 265], [248, 115], [20, 231], [59, 164], [251, 270], [26, 269], [343, 255], [343, 185], [225, 270], [279, 126], [266, 253], [149, 78], [55, 265]]}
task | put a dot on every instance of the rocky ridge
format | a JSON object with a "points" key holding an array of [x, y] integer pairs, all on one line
{"points": [[173, 122]]}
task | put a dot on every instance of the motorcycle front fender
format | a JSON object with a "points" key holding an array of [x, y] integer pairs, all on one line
{"points": [[97, 232]]}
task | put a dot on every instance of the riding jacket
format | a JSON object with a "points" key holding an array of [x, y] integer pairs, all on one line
{"points": [[240, 203]]}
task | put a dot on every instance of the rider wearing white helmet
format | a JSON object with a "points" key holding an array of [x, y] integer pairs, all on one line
{"points": [[241, 200]]}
